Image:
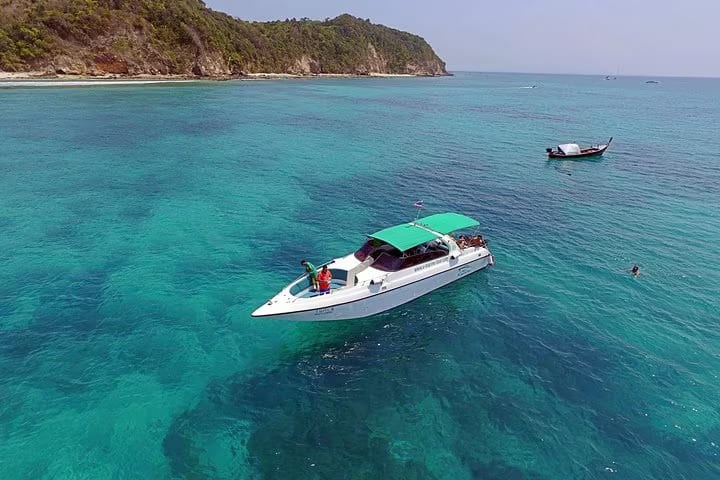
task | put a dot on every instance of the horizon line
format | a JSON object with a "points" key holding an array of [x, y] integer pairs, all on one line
{"points": [[636, 75]]}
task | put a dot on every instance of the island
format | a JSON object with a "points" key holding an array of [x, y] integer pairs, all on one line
{"points": [[186, 38]]}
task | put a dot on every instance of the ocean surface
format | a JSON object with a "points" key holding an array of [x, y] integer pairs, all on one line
{"points": [[140, 225]]}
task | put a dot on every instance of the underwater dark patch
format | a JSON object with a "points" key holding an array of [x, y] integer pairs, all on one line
{"points": [[499, 470]]}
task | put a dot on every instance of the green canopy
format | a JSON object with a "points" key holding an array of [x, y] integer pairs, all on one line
{"points": [[405, 236], [409, 235], [447, 222]]}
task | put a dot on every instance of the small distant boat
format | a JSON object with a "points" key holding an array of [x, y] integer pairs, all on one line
{"points": [[652, 81], [573, 150]]}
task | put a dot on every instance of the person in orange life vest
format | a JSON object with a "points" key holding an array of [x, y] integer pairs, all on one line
{"points": [[324, 278]]}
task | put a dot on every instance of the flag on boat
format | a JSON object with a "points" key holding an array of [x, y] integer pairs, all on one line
{"points": [[419, 204]]}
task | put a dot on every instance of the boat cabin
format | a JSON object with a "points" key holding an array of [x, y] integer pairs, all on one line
{"points": [[569, 149], [389, 259], [411, 244]]}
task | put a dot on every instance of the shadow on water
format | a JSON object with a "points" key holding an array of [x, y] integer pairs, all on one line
{"points": [[350, 371], [289, 438], [566, 166], [360, 372], [501, 470]]}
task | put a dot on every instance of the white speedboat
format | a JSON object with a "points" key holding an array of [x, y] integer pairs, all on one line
{"points": [[395, 265]]}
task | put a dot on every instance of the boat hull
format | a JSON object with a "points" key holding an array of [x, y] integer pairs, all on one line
{"points": [[559, 156], [386, 296], [584, 153]]}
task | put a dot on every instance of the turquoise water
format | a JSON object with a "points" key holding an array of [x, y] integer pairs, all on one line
{"points": [[142, 224]]}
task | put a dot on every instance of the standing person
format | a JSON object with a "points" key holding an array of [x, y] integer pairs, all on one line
{"points": [[312, 273], [324, 278]]}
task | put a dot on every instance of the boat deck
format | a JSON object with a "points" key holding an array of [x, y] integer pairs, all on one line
{"points": [[308, 293]]}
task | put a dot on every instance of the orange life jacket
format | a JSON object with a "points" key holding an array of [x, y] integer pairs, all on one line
{"points": [[324, 279]]}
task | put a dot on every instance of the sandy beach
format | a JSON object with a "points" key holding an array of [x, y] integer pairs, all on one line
{"points": [[45, 76], [322, 75], [40, 75]]}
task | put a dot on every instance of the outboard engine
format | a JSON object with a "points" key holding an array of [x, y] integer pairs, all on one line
{"points": [[548, 150]]}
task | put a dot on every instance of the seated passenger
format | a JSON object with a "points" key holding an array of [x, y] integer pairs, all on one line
{"points": [[477, 241], [462, 242]]}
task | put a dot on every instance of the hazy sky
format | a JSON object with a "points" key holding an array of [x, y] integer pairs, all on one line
{"points": [[636, 37]]}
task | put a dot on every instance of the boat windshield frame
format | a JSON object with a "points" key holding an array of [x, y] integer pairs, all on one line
{"points": [[376, 247]]}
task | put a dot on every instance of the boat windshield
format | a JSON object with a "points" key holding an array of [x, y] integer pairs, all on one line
{"points": [[374, 248]]}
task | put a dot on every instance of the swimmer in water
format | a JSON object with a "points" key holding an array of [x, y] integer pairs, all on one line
{"points": [[635, 270]]}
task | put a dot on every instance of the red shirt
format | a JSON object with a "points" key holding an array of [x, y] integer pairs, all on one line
{"points": [[324, 278]]}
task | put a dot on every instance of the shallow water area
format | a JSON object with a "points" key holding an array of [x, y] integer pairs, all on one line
{"points": [[141, 225]]}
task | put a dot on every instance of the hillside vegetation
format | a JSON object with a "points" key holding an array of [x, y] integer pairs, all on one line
{"points": [[185, 37]]}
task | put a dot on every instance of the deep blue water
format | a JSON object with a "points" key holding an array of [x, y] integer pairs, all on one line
{"points": [[142, 224]]}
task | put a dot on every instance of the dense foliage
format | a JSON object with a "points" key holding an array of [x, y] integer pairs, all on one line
{"points": [[184, 36]]}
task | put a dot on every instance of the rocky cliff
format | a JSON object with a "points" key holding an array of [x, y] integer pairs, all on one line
{"points": [[184, 37]]}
